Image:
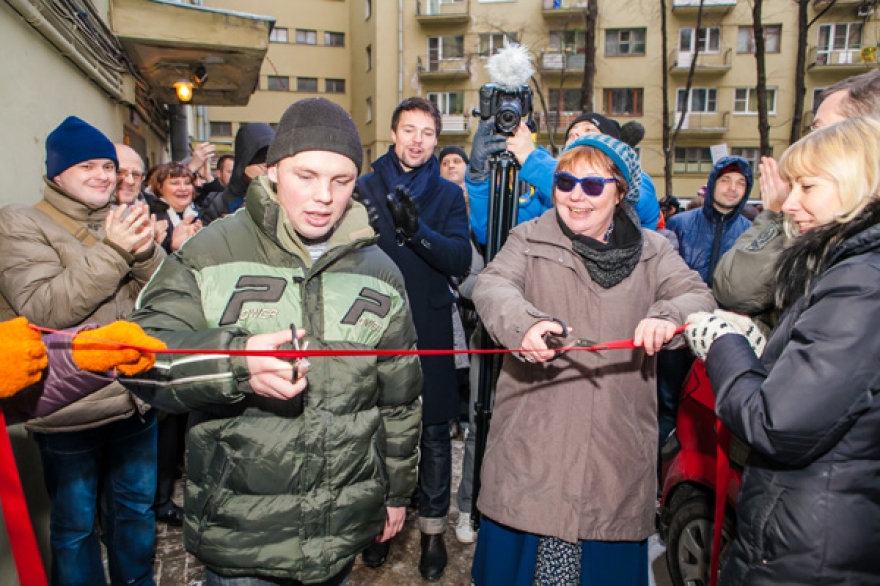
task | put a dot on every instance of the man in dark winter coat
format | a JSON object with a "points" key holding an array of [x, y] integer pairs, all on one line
{"points": [[251, 144], [707, 233], [423, 226]]}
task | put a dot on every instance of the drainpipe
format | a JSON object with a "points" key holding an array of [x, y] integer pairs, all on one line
{"points": [[399, 51], [32, 15]]}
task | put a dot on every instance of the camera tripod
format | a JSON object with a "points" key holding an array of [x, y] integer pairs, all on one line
{"points": [[505, 189]]}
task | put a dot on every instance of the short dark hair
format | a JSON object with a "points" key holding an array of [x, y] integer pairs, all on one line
{"points": [[223, 159], [863, 95], [165, 171], [420, 105]]}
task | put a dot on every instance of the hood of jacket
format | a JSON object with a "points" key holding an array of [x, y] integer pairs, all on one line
{"points": [[249, 140], [745, 168]]}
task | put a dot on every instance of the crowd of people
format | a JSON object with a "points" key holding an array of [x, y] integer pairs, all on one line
{"points": [[294, 467]]}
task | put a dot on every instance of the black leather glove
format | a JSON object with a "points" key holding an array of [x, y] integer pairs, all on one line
{"points": [[485, 145], [372, 213], [404, 213]]}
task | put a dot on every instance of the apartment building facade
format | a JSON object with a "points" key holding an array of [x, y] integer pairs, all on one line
{"points": [[367, 55]]}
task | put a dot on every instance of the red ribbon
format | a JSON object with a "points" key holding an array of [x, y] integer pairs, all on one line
{"points": [[22, 541], [294, 354]]}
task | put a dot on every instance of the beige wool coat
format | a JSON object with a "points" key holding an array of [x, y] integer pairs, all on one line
{"points": [[572, 446]]}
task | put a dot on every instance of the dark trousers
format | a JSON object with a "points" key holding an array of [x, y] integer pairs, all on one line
{"points": [[672, 368], [172, 430], [435, 473]]}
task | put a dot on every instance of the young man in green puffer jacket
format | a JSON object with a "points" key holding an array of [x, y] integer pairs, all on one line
{"points": [[292, 469]]}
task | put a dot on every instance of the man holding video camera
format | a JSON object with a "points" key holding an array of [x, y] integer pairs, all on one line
{"points": [[537, 166]]}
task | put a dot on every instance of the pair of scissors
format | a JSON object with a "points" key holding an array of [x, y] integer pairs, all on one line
{"points": [[564, 341], [299, 361]]}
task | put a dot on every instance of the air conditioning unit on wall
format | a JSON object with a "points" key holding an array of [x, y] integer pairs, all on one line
{"points": [[865, 10]]}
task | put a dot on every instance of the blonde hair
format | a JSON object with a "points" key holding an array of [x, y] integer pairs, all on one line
{"points": [[590, 157], [848, 153]]}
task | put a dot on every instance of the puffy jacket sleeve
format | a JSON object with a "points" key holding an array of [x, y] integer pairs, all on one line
{"points": [[170, 309], [744, 278], [36, 283], [400, 386], [499, 295], [648, 208], [824, 379], [680, 290]]}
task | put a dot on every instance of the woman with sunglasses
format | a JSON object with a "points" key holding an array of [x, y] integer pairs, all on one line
{"points": [[568, 482]]}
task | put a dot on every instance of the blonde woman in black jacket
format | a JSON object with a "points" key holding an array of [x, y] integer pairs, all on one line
{"points": [[809, 510]]}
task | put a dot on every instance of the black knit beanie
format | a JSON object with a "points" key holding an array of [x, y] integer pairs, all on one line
{"points": [[316, 124], [453, 150], [605, 125]]}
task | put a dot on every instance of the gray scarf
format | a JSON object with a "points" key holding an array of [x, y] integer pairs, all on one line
{"points": [[609, 264]]}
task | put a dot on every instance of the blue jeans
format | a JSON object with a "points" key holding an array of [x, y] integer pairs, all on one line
{"points": [[212, 579], [118, 462], [435, 476]]}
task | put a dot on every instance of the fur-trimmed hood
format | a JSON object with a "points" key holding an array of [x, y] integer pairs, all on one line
{"points": [[813, 253]]}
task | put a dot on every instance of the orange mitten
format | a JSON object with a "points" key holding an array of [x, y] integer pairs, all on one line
{"points": [[22, 356], [94, 350]]}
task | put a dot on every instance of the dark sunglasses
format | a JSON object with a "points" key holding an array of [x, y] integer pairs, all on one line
{"points": [[592, 186]]}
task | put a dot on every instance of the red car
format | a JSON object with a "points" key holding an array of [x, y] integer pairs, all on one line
{"points": [[688, 471]]}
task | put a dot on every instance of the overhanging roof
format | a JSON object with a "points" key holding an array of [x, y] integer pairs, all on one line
{"points": [[168, 41]]}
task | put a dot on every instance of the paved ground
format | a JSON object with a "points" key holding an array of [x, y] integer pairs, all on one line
{"points": [[174, 567]]}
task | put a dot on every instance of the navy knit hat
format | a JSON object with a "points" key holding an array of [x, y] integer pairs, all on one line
{"points": [[605, 125], [316, 124], [75, 141], [453, 150], [623, 157]]}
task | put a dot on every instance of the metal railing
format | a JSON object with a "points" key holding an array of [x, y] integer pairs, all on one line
{"points": [[433, 65], [722, 60], [564, 4], [703, 121], [441, 8], [561, 60]]}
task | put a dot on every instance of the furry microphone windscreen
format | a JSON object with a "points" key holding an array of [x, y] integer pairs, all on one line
{"points": [[511, 67]]}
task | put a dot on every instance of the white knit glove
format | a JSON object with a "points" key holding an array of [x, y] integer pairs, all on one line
{"points": [[704, 328], [744, 325]]}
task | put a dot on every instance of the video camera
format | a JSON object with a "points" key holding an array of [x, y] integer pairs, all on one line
{"points": [[507, 107]]}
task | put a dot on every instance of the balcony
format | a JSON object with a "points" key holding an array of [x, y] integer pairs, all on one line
{"points": [[168, 41], [702, 124], [558, 121], [559, 62], [562, 10], [849, 61], [713, 7], [708, 64], [443, 69], [455, 124], [437, 12]]}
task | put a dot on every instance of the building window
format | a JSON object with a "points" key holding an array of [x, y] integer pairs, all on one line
{"points": [[221, 129], [334, 39], [695, 160], [702, 100], [278, 35], [491, 43], [623, 101], [750, 154], [745, 40], [564, 100], [369, 110], [334, 86], [624, 41], [368, 9], [448, 102], [568, 41], [745, 101], [839, 42], [278, 83], [369, 57], [307, 84], [306, 37], [441, 48], [709, 40]]}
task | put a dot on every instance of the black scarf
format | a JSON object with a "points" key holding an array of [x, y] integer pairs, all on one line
{"points": [[417, 182], [610, 263], [814, 252]]}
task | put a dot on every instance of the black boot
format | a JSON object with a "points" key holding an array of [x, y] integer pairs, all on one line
{"points": [[433, 562], [376, 554]]}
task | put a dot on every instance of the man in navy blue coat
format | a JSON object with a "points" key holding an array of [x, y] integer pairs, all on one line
{"points": [[423, 226]]}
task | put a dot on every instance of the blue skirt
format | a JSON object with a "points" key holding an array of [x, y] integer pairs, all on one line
{"points": [[507, 557]]}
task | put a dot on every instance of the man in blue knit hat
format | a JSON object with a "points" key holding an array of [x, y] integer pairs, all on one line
{"points": [[68, 261]]}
